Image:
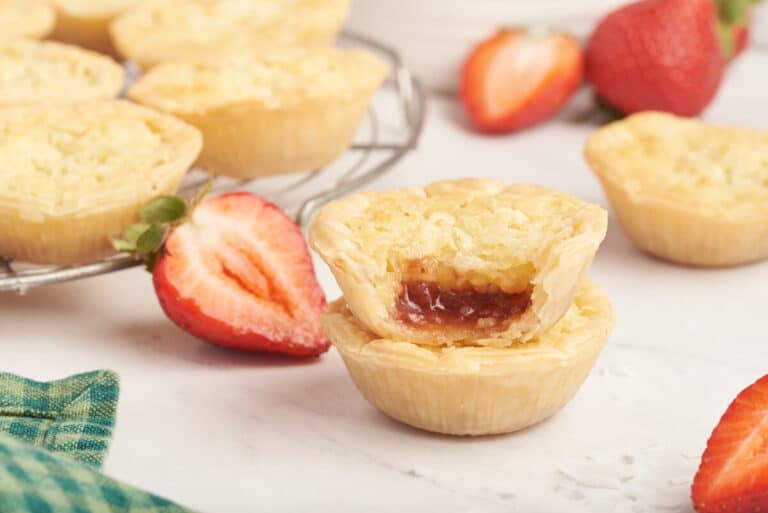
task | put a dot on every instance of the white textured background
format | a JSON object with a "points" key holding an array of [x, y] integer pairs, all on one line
{"points": [[434, 36]]}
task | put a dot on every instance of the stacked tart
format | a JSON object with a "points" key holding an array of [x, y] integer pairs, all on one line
{"points": [[466, 309]]}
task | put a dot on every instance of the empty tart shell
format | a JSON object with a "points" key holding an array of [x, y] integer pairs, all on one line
{"points": [[86, 22], [459, 260], [25, 19], [73, 176], [267, 113], [47, 72], [471, 390], [156, 32], [686, 191]]}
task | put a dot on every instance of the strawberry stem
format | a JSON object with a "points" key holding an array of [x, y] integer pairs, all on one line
{"points": [[731, 14], [734, 12], [161, 215]]}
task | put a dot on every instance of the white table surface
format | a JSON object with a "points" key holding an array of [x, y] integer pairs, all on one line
{"points": [[226, 432]]}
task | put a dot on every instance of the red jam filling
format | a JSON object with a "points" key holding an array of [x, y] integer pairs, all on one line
{"points": [[425, 303]]}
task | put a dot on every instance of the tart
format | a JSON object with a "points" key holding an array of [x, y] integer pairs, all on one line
{"points": [[686, 191], [178, 29], [86, 22], [471, 390], [48, 72], [456, 261], [73, 176], [264, 114], [25, 19]]}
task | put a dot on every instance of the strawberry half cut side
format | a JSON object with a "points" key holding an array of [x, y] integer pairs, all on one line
{"points": [[238, 274], [517, 78], [733, 476]]}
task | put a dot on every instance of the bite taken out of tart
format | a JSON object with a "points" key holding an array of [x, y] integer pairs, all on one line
{"points": [[684, 190], [459, 260]]}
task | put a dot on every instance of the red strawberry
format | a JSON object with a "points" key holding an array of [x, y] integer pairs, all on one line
{"points": [[516, 79], [733, 476], [665, 55], [740, 40], [235, 272], [737, 15]]}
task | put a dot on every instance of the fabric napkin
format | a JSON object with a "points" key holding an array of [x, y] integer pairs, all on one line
{"points": [[34, 480], [53, 439], [71, 417]]}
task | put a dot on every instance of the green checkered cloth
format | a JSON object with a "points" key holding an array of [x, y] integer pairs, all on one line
{"points": [[53, 438], [72, 417], [33, 480]]}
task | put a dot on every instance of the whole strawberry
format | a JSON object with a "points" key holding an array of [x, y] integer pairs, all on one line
{"points": [[666, 55]]}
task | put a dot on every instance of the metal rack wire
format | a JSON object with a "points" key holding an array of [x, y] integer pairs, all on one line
{"points": [[369, 157]]}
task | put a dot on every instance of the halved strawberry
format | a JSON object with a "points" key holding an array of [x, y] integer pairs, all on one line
{"points": [[517, 78], [733, 476], [238, 273]]}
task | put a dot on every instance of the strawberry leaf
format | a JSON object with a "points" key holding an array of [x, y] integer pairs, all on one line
{"points": [[165, 209], [149, 241], [133, 232], [124, 246], [160, 216], [732, 12], [149, 261]]}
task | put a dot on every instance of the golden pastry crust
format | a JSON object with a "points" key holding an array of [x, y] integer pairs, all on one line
{"points": [[25, 19], [74, 176], [523, 247], [686, 191], [47, 72], [86, 22], [466, 390], [265, 114], [180, 29]]}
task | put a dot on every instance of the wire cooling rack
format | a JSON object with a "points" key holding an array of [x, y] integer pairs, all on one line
{"points": [[379, 145]]}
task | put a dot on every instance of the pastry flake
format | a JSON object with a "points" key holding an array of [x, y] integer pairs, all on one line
{"points": [[473, 390], [465, 260], [267, 113], [686, 191], [47, 72], [74, 176]]}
